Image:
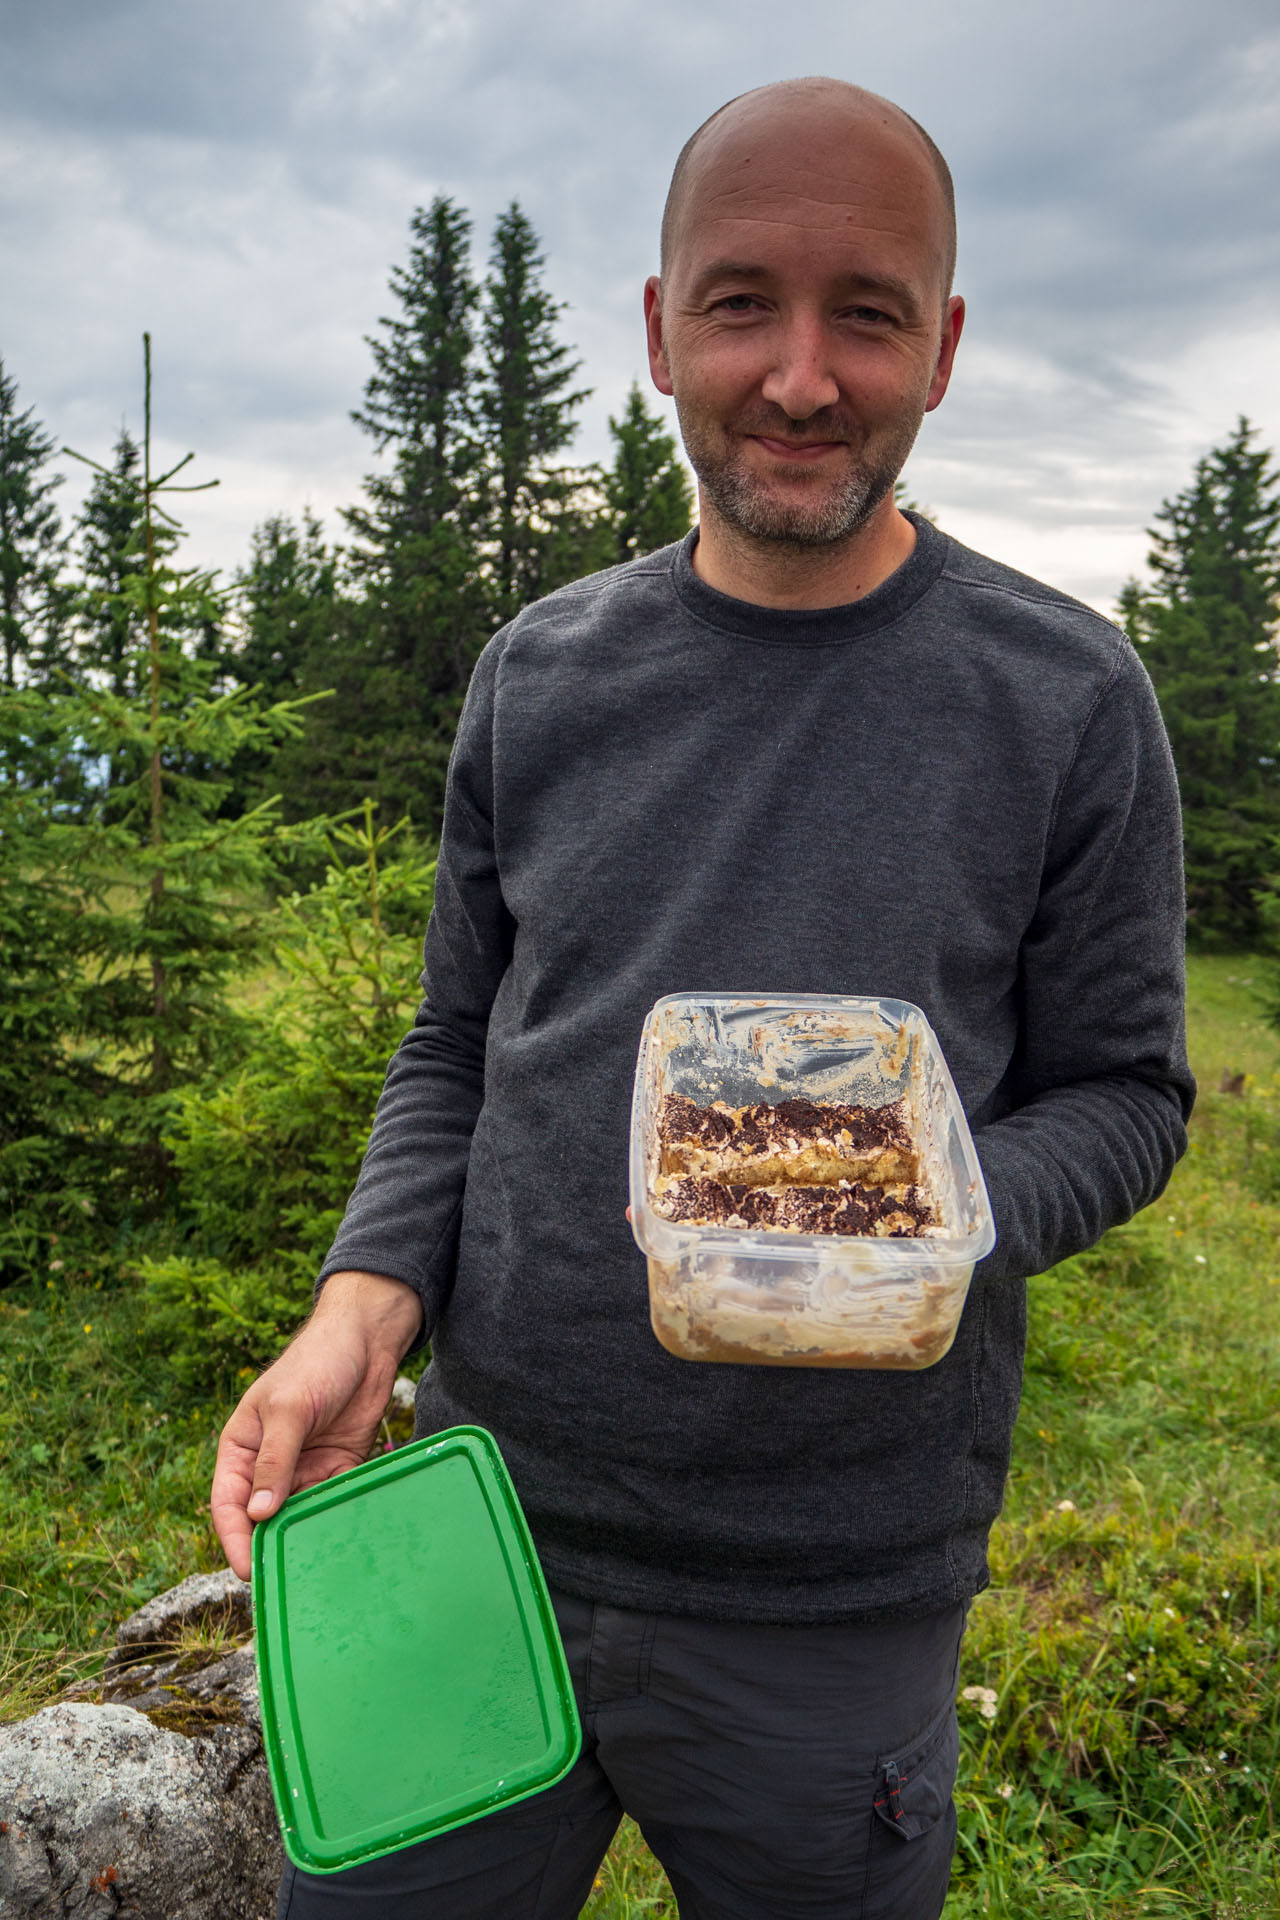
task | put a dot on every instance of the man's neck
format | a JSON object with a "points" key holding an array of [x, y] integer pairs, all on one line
{"points": [[768, 574]]}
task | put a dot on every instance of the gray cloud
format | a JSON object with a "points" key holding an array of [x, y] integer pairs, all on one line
{"points": [[238, 178]]}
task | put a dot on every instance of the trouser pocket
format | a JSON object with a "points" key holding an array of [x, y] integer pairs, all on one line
{"points": [[913, 1786]]}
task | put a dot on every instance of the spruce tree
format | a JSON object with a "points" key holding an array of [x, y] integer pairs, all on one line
{"points": [[406, 648], [179, 889], [1207, 631], [541, 525], [109, 549], [648, 495], [31, 544], [283, 596], [283, 647]]}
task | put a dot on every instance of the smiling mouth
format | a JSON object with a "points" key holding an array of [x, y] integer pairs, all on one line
{"points": [[803, 450]]}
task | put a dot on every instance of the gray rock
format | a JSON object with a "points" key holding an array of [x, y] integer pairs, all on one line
{"points": [[204, 1601], [102, 1811], [194, 1693], [145, 1791]]}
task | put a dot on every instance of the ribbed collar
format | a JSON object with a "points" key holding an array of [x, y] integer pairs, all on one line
{"points": [[817, 626]]}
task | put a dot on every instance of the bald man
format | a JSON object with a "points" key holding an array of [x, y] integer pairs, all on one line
{"points": [[816, 747]]}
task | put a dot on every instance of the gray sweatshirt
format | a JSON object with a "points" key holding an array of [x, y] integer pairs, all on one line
{"points": [[956, 791]]}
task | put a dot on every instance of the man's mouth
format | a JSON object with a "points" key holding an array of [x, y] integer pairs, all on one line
{"points": [[801, 450]]}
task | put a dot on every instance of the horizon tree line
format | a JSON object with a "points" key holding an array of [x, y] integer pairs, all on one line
{"points": [[471, 510], [198, 784]]}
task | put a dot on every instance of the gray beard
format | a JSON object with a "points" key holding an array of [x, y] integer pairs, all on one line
{"points": [[743, 504]]}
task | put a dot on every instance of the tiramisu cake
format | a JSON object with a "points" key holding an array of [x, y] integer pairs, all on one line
{"points": [[799, 1166]]}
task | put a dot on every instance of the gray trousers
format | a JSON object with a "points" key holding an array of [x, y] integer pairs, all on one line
{"points": [[778, 1773]]}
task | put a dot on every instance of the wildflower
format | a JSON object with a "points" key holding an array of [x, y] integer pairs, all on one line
{"points": [[1005, 1789], [88, 1326], [1131, 1678], [1201, 1261], [56, 1266], [1066, 1506], [984, 1698], [1170, 1613]]}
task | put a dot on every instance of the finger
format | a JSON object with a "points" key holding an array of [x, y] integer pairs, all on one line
{"points": [[228, 1500], [284, 1429]]}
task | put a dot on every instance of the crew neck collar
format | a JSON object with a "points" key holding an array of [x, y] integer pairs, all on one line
{"points": [[814, 626]]}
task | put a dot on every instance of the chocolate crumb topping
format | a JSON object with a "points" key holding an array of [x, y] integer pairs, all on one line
{"points": [[798, 1165], [844, 1209], [791, 1123]]}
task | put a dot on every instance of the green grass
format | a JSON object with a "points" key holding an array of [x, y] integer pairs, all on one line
{"points": [[1130, 1635]]}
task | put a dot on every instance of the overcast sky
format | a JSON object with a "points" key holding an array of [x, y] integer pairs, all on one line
{"points": [[238, 175]]}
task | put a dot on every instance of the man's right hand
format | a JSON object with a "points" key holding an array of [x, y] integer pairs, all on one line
{"points": [[317, 1409]]}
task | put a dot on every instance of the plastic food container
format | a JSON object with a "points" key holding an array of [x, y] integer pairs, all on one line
{"points": [[410, 1666], [771, 1298]]}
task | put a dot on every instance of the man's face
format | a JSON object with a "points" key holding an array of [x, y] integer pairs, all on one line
{"points": [[801, 323]]}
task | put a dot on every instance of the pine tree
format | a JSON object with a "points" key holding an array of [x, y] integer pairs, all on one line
{"points": [[1207, 630], [404, 653], [541, 521], [109, 545], [283, 647], [31, 544], [264, 1153], [176, 892], [284, 597], [648, 494], [417, 400]]}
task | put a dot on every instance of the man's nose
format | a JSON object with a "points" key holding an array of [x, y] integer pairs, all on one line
{"points": [[800, 380]]}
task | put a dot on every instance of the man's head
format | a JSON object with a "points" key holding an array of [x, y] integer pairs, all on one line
{"points": [[803, 319], [792, 94]]}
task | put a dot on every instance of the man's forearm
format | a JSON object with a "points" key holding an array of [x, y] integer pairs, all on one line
{"points": [[1073, 1163]]}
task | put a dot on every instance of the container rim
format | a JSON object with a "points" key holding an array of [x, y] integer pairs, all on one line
{"points": [[662, 1239]]}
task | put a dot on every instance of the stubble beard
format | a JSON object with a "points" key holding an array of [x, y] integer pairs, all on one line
{"points": [[755, 510]]}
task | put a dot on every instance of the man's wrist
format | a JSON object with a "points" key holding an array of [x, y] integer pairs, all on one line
{"points": [[389, 1310]]}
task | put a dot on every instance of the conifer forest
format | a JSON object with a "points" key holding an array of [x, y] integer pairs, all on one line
{"points": [[219, 806]]}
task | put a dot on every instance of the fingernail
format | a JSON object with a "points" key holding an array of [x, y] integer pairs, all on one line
{"points": [[260, 1505]]}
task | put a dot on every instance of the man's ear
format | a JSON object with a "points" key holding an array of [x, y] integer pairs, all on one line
{"points": [[658, 368], [953, 321]]}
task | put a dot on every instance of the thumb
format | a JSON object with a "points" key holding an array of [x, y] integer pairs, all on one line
{"points": [[283, 1432]]}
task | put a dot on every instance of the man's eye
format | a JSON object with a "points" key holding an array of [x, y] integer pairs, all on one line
{"points": [[869, 316], [739, 302]]}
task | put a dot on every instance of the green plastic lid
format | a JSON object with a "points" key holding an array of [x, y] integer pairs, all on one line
{"points": [[411, 1670]]}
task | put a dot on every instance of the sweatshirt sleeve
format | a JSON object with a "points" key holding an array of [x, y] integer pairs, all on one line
{"points": [[1102, 1089], [403, 1218]]}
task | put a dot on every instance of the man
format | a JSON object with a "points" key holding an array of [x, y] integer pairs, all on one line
{"points": [[817, 747]]}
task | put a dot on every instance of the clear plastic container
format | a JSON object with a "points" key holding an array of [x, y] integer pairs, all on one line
{"points": [[771, 1298]]}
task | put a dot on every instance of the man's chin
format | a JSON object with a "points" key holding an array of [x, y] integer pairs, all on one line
{"points": [[808, 526]]}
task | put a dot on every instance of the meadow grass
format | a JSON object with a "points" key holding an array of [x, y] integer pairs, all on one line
{"points": [[1124, 1765]]}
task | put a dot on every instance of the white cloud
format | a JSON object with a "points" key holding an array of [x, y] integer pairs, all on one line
{"points": [[239, 177]]}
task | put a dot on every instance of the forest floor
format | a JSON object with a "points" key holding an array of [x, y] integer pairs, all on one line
{"points": [[1121, 1734]]}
